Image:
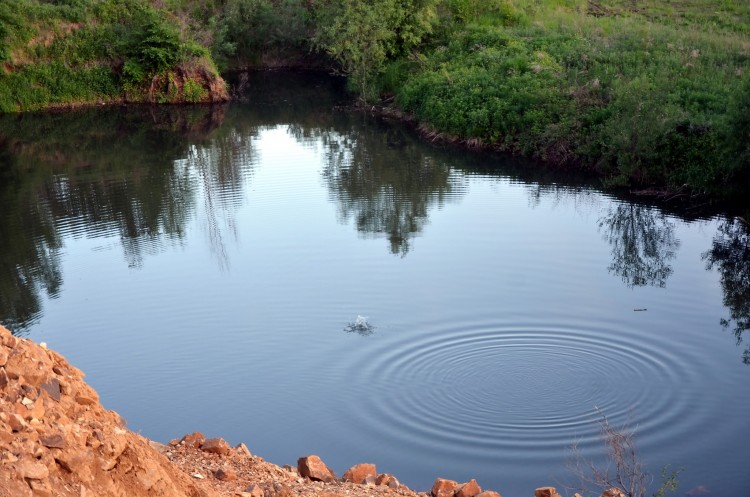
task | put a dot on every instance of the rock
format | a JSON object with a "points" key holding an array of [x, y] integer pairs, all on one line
{"points": [[32, 470], [280, 490], [443, 488], [469, 489], [53, 441], [242, 449], [3, 356], [225, 474], [359, 472], [488, 493], [16, 422], [290, 468], [52, 387], [546, 492], [313, 468], [388, 480], [3, 378], [216, 446], [194, 440], [369, 481], [613, 492], [255, 490]]}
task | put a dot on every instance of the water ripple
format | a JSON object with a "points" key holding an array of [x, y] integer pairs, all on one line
{"points": [[502, 386]]}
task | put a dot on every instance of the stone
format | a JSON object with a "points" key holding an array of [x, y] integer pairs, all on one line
{"points": [[469, 489], [388, 480], [255, 490], [16, 422], [216, 446], [613, 492], [488, 493], [86, 397], [242, 449], [32, 470], [52, 387], [314, 468], [546, 492], [443, 488], [3, 378], [359, 472], [55, 441], [225, 474], [40, 488], [280, 490], [3, 356], [194, 440]]}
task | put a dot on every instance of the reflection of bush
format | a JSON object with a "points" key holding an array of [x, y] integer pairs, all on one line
{"points": [[730, 256]]}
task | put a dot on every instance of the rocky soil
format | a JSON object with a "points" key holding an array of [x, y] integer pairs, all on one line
{"points": [[56, 440]]}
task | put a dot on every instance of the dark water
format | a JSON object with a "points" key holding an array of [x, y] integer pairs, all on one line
{"points": [[312, 281]]}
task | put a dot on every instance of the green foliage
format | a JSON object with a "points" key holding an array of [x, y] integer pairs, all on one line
{"points": [[246, 29], [669, 481], [362, 34], [193, 91]]}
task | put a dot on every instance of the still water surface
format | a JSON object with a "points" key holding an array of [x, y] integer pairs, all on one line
{"points": [[311, 281]]}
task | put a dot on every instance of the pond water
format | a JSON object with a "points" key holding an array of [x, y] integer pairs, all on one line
{"points": [[307, 280]]}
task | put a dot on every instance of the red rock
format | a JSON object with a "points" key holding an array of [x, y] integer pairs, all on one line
{"points": [[388, 480], [242, 449], [315, 469], [3, 378], [255, 490], [32, 470], [3, 356], [488, 493], [359, 472], [216, 446], [225, 474], [469, 489], [52, 387], [16, 422], [546, 492], [55, 441], [194, 440], [444, 488]]}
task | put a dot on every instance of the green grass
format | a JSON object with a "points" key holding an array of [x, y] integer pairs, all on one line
{"points": [[642, 91], [86, 51]]}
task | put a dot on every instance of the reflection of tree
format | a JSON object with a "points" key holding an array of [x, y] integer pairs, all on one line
{"points": [[386, 182], [643, 243], [97, 174], [730, 255]]}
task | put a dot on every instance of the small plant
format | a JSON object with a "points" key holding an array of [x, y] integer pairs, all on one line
{"points": [[193, 91], [623, 473]]}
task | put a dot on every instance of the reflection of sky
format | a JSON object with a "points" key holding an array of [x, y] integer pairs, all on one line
{"points": [[253, 350]]}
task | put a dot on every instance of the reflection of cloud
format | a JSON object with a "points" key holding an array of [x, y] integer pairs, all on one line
{"points": [[643, 243], [730, 256]]}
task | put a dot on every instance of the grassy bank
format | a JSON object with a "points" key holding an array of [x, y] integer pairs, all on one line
{"points": [[68, 52], [647, 93], [644, 92]]}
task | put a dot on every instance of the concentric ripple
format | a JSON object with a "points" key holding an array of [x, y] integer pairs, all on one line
{"points": [[490, 387]]}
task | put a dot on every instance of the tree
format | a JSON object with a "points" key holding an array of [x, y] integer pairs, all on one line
{"points": [[360, 35]]}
